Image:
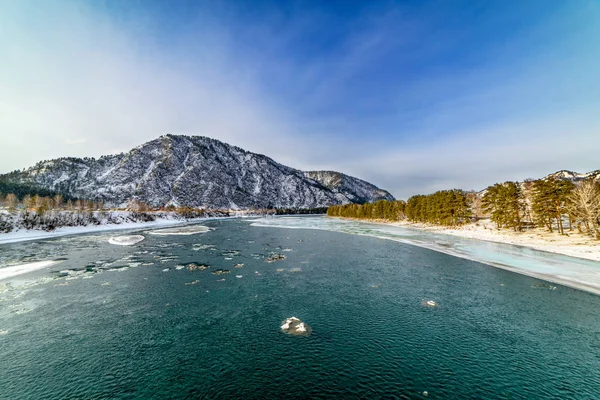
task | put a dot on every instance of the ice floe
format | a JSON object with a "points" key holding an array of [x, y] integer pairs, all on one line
{"points": [[194, 266], [183, 230], [200, 246], [221, 271], [275, 257], [128, 240], [294, 326], [15, 270]]}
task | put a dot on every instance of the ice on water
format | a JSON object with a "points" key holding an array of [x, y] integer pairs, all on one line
{"points": [[128, 240], [183, 230], [571, 271]]}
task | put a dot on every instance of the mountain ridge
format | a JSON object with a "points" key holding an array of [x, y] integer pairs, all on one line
{"points": [[195, 171]]}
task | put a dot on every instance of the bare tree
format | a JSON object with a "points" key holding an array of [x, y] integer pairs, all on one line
{"points": [[585, 206], [58, 201], [11, 202], [27, 201]]}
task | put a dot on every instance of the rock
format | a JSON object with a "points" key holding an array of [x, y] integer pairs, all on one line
{"points": [[294, 326], [197, 281]]}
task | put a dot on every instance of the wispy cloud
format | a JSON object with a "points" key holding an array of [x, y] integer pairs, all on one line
{"points": [[414, 98]]}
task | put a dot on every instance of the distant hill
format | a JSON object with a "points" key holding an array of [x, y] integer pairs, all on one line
{"points": [[574, 176]]}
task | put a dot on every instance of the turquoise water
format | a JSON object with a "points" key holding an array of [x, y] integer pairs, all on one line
{"points": [[115, 325]]}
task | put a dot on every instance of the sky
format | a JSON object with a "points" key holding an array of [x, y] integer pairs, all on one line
{"points": [[413, 96]]}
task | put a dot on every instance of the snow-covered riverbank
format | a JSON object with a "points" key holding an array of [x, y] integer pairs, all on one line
{"points": [[573, 245], [120, 220], [32, 234]]}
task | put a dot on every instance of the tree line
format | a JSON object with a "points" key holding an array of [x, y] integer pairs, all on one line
{"points": [[552, 203]]}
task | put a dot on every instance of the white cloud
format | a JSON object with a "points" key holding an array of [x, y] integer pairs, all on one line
{"points": [[75, 83]]}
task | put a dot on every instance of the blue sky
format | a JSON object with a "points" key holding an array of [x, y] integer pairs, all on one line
{"points": [[412, 96]]}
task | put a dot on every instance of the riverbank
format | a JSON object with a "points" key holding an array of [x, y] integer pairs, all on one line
{"points": [[23, 235], [573, 245]]}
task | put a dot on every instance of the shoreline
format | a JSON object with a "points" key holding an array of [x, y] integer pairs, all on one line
{"points": [[575, 245]]}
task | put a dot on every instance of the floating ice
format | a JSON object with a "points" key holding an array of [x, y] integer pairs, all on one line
{"points": [[183, 230], [275, 257], [129, 240], [15, 270], [221, 271], [200, 246], [577, 273], [193, 266], [294, 326], [239, 276], [429, 303], [240, 265], [3, 331]]}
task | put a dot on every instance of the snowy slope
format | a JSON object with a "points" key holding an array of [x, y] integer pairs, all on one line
{"points": [[356, 190], [192, 171], [574, 176]]}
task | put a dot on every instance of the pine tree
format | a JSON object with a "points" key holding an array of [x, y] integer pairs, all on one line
{"points": [[550, 201]]}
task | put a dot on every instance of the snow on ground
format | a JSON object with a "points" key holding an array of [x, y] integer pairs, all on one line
{"points": [[573, 245], [128, 240], [16, 270]]}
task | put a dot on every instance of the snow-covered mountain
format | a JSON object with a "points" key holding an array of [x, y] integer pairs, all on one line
{"points": [[356, 190], [195, 171], [574, 176]]}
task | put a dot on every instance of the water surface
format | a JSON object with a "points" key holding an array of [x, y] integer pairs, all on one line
{"points": [[125, 323]]}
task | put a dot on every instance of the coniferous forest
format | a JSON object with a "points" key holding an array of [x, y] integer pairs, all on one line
{"points": [[554, 204]]}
